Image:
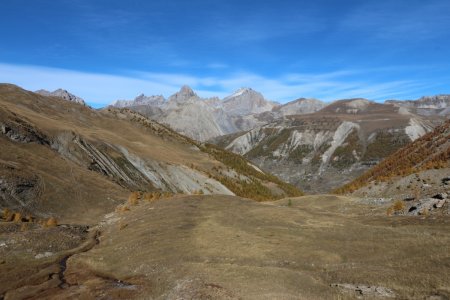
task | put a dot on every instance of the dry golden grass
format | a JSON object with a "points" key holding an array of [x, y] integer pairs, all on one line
{"points": [[397, 207], [122, 225], [17, 217], [167, 195], [148, 197], [424, 212], [198, 192], [5, 213], [51, 222], [133, 199], [13, 216], [24, 227], [278, 251], [122, 208]]}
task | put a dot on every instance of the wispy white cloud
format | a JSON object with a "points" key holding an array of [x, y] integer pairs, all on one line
{"points": [[101, 89], [97, 89], [261, 26], [399, 21]]}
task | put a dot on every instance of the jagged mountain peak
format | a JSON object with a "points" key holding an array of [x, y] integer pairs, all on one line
{"points": [[141, 99], [184, 94], [243, 91], [61, 93], [246, 101], [187, 90]]}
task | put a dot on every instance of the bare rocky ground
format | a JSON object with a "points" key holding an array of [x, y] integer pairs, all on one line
{"points": [[421, 193], [225, 247]]}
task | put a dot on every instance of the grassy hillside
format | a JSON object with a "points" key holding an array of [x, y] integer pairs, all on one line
{"points": [[432, 151], [56, 155], [258, 184], [251, 183]]}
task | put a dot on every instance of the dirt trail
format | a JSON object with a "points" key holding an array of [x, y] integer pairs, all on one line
{"points": [[222, 247], [53, 275]]}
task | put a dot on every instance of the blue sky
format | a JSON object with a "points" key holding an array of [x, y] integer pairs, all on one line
{"points": [[105, 50]]}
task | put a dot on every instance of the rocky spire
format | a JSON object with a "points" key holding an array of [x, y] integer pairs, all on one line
{"points": [[183, 95]]}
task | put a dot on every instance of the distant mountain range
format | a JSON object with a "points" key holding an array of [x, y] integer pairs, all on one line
{"points": [[246, 109], [203, 119], [315, 145], [427, 106]]}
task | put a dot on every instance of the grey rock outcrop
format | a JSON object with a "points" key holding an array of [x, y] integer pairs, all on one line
{"points": [[428, 105], [299, 107], [60, 93], [203, 118], [246, 101], [183, 95], [154, 101]]}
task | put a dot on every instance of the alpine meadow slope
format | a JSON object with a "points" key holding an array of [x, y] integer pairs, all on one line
{"points": [[57, 154], [109, 204]]}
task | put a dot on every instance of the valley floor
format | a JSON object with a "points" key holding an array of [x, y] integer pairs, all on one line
{"points": [[225, 247]]}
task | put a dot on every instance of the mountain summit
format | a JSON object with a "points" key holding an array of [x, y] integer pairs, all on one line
{"points": [[142, 99], [299, 106], [203, 118], [60, 93], [246, 101], [183, 95]]}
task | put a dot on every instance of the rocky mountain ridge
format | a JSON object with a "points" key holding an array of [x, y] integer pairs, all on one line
{"points": [[61, 93], [298, 107], [206, 118], [246, 109], [140, 100], [323, 150], [427, 105]]}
